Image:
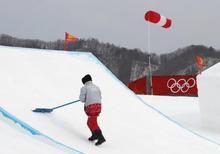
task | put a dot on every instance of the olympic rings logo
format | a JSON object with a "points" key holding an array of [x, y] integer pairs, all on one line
{"points": [[182, 85]]}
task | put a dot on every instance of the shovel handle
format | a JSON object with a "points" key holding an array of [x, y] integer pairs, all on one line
{"points": [[65, 104]]}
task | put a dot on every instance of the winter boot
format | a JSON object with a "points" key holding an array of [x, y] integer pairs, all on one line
{"points": [[94, 136], [101, 138]]}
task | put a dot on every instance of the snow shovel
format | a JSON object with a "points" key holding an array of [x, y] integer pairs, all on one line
{"points": [[49, 110]]}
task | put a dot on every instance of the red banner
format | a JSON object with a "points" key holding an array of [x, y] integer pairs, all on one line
{"points": [[175, 85], [139, 86]]}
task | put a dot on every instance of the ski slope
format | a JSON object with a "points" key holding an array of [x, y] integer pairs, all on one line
{"points": [[15, 140], [32, 78]]}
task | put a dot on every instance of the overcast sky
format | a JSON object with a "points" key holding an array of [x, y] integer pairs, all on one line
{"points": [[120, 22]]}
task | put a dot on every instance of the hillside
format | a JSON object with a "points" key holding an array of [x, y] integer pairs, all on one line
{"points": [[182, 61], [129, 64]]}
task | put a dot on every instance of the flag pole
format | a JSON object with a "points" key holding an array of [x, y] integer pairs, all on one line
{"points": [[65, 42], [65, 45], [149, 59]]}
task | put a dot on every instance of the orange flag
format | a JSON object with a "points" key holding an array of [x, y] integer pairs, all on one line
{"points": [[69, 37], [200, 62]]}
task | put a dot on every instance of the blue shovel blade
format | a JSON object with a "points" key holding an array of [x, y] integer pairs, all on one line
{"points": [[42, 110]]}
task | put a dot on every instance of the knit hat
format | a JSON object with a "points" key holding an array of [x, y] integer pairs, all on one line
{"points": [[86, 78]]}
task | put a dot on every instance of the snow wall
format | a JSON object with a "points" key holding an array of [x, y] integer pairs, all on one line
{"points": [[208, 91]]}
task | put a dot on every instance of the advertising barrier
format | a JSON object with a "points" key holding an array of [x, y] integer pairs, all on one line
{"points": [[175, 85], [139, 86]]}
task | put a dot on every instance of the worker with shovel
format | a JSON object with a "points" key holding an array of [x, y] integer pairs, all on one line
{"points": [[90, 95]]}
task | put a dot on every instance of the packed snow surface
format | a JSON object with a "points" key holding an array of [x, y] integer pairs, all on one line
{"points": [[32, 78]]}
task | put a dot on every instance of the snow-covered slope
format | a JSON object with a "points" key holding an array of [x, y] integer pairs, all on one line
{"points": [[33, 78], [17, 140]]}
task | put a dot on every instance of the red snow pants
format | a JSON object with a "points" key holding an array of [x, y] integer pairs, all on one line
{"points": [[93, 112]]}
